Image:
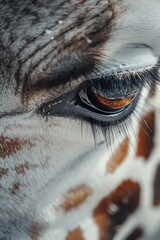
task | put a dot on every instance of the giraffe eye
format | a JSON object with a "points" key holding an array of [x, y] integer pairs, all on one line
{"points": [[106, 98], [103, 101]]}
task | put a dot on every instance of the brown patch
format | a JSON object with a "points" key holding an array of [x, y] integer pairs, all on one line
{"points": [[21, 169], [118, 157], [153, 91], [136, 234], [75, 235], [15, 188], [9, 146], [156, 187], [113, 210], [146, 136], [35, 231], [3, 172], [75, 197]]}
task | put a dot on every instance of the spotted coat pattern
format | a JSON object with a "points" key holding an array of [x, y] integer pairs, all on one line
{"points": [[57, 181]]}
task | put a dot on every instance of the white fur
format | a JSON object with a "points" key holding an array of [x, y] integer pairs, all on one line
{"points": [[70, 153]]}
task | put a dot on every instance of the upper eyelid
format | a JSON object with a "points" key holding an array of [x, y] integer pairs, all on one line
{"points": [[124, 69], [54, 79], [143, 75], [64, 72]]}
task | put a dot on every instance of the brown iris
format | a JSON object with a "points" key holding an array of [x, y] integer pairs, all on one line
{"points": [[108, 98], [114, 103]]}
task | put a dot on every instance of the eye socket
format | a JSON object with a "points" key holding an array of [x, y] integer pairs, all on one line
{"points": [[104, 101], [97, 100]]}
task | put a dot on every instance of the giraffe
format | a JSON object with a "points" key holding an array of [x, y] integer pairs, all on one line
{"points": [[79, 120]]}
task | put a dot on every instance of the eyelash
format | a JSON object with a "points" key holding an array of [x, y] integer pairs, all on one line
{"points": [[119, 81]]}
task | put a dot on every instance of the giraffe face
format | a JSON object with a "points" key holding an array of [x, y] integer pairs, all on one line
{"points": [[68, 142]]}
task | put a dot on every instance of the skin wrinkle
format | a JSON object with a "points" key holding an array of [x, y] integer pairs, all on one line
{"points": [[29, 49], [64, 47], [52, 28], [75, 24]]}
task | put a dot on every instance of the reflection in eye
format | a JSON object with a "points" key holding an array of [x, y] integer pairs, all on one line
{"points": [[114, 103], [113, 94]]}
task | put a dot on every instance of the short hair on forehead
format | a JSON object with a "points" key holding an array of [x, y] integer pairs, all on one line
{"points": [[39, 37]]}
